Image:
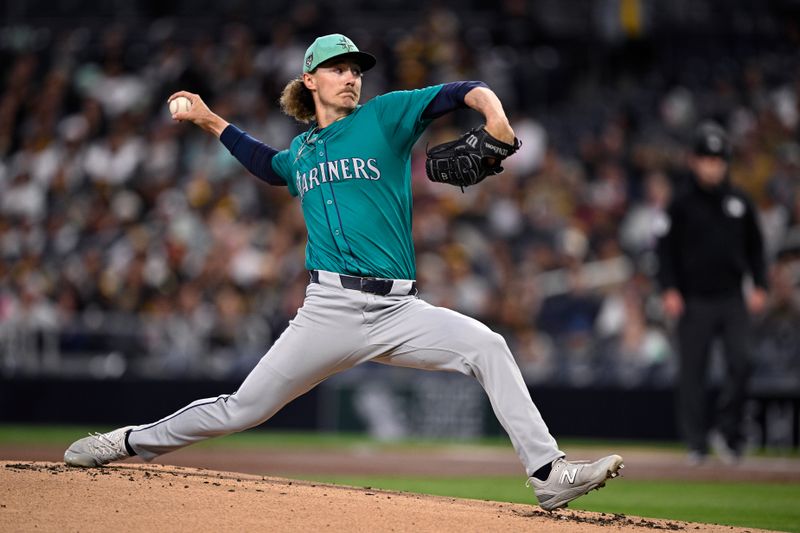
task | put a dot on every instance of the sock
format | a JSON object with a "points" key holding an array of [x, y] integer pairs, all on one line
{"points": [[128, 446], [544, 472]]}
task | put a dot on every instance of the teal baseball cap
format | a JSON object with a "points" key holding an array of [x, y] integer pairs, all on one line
{"points": [[335, 45]]}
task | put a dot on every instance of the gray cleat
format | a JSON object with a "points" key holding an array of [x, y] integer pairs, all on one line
{"points": [[98, 449], [571, 479]]}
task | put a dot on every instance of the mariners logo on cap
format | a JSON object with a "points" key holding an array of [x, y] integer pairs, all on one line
{"points": [[309, 59], [346, 44]]}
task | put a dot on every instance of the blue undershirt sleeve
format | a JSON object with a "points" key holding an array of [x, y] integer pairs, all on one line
{"points": [[449, 98], [252, 153]]}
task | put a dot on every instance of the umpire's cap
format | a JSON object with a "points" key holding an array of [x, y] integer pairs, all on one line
{"points": [[335, 45], [710, 139]]}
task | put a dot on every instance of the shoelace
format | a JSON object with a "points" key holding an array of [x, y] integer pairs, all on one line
{"points": [[104, 446]]}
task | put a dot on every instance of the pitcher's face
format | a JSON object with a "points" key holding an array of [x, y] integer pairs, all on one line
{"points": [[337, 84]]}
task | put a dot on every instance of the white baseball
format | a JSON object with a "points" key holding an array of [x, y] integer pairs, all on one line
{"points": [[179, 104]]}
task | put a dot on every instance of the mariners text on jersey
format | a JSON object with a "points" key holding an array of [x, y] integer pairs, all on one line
{"points": [[340, 169]]}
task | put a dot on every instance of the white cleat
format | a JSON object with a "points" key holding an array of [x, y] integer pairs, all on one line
{"points": [[572, 479], [98, 449]]}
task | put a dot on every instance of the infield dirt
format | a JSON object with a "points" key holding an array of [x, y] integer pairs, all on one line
{"points": [[46, 496]]}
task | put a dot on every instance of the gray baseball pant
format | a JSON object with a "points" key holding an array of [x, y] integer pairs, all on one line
{"points": [[339, 328]]}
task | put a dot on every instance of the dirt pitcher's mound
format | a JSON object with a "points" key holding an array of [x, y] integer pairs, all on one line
{"points": [[52, 497]]}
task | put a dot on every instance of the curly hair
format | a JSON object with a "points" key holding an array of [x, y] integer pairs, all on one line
{"points": [[297, 102]]}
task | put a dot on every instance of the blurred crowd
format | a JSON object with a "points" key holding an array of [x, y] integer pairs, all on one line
{"points": [[125, 233]]}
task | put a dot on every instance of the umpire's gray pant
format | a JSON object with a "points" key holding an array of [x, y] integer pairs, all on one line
{"points": [[339, 328]]}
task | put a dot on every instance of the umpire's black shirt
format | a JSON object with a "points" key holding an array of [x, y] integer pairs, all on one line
{"points": [[711, 242]]}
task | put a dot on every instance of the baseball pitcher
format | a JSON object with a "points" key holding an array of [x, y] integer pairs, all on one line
{"points": [[351, 171]]}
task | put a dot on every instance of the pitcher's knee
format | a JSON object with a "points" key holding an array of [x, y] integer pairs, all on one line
{"points": [[489, 345]]}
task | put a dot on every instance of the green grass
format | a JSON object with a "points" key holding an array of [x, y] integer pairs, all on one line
{"points": [[760, 505]]}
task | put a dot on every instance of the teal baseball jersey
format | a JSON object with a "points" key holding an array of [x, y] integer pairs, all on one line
{"points": [[354, 181]]}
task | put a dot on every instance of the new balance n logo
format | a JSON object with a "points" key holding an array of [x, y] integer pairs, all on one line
{"points": [[569, 475]]}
